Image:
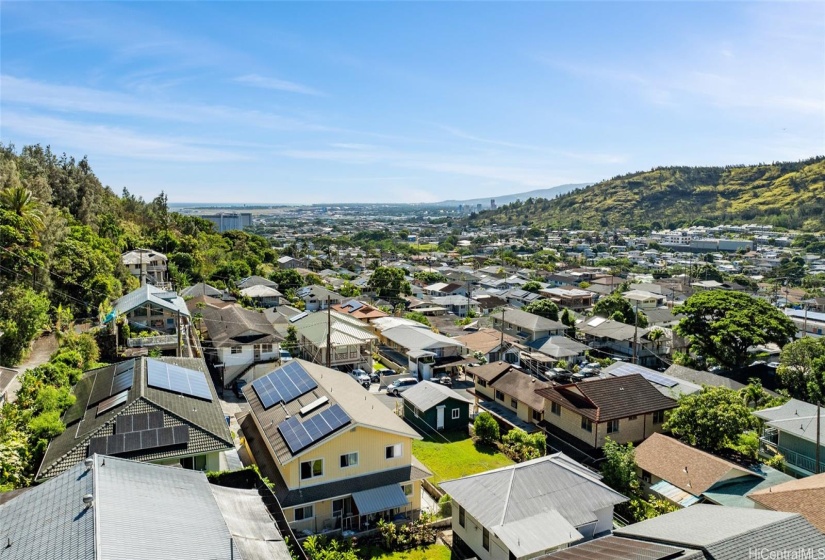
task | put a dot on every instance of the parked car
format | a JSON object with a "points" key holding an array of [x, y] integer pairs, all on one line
{"points": [[400, 385], [361, 376], [445, 380], [237, 388], [284, 355], [593, 365]]}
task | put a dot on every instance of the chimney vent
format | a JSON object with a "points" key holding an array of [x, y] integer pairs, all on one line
{"points": [[89, 500]]}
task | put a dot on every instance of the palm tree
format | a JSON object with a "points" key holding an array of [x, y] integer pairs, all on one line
{"points": [[753, 392], [22, 202]]}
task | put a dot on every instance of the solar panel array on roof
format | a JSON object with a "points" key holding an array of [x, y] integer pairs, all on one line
{"points": [[130, 442], [113, 401], [177, 379], [124, 375], [354, 305], [300, 435], [298, 317], [283, 385], [139, 422], [630, 369]]}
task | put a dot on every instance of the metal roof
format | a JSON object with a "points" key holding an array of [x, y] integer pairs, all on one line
{"points": [[260, 291], [418, 338], [379, 499], [253, 531], [537, 533], [619, 548], [794, 417], [674, 493], [529, 321], [427, 394], [149, 294]]}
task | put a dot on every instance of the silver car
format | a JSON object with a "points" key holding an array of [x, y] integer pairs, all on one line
{"points": [[400, 385]]}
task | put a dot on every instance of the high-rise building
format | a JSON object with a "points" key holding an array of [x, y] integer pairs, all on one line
{"points": [[492, 204], [225, 221]]}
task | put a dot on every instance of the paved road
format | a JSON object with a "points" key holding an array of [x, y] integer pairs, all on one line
{"points": [[42, 349]]}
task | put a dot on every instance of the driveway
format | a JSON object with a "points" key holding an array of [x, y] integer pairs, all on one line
{"points": [[41, 351]]}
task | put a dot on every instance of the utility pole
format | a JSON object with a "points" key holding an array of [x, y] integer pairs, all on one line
{"points": [[329, 333], [468, 299], [818, 441], [178, 353], [805, 321], [501, 343], [636, 334]]}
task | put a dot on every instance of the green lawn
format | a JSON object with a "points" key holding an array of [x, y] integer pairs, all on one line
{"points": [[460, 457], [432, 552]]}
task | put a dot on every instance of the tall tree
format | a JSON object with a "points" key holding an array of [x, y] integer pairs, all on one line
{"points": [[544, 308], [712, 419], [723, 325], [619, 309], [23, 203], [389, 283], [802, 369]]}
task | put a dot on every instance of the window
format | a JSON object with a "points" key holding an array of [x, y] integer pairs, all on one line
{"points": [[633, 417], [485, 539], [408, 489], [499, 396], [416, 412], [349, 460], [266, 348], [481, 382], [537, 415], [456, 413], [305, 512], [461, 516], [555, 408], [513, 403], [393, 451], [236, 350], [312, 469], [658, 416], [337, 508], [587, 425], [646, 476], [612, 426]]}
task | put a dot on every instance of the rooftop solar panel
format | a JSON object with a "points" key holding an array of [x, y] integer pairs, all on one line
{"points": [[653, 377], [112, 402], [177, 379], [300, 435], [283, 385], [135, 441]]}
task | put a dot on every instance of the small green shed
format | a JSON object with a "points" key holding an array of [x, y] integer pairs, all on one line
{"points": [[431, 406]]}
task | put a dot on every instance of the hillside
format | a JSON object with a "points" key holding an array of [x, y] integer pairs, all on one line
{"points": [[550, 193], [790, 194]]}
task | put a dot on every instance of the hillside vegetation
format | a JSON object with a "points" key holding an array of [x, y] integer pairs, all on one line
{"points": [[790, 195]]}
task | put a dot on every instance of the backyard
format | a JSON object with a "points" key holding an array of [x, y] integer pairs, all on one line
{"points": [[458, 456], [432, 552]]}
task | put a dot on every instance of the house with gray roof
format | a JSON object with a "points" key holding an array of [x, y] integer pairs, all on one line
{"points": [[699, 377], [531, 508], [339, 459], [168, 402], [622, 548], [418, 348], [725, 533], [432, 406], [346, 340], [111, 507], [204, 289], [791, 430], [526, 326], [150, 308]]}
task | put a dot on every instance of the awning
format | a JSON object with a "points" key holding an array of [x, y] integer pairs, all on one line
{"points": [[379, 499], [420, 353], [674, 493]]}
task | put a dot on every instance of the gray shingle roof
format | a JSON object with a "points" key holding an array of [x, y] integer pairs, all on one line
{"points": [[231, 325], [726, 533], [427, 394], [208, 429], [619, 548], [140, 512], [702, 377], [150, 294], [529, 321]]}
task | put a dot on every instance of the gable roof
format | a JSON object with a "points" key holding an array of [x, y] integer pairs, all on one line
{"points": [[490, 372], [346, 330], [148, 293], [514, 494], [522, 386], [485, 340], [359, 310], [201, 289], [208, 431], [794, 417], [686, 467], [529, 321], [609, 398], [231, 325], [702, 377], [363, 408], [558, 346], [251, 281], [260, 291], [620, 548], [724, 533], [427, 394], [140, 511], [805, 496], [418, 338]]}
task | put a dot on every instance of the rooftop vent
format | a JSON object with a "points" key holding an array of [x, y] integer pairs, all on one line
{"points": [[89, 500], [89, 462]]}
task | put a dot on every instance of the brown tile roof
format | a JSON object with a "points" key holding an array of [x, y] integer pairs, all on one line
{"points": [[805, 496], [611, 398], [521, 386], [484, 340], [489, 372], [363, 313], [685, 467]]}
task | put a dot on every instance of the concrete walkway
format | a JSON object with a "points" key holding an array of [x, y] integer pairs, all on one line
{"points": [[42, 350]]}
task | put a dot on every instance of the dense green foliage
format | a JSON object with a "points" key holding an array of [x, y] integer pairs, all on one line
{"points": [[544, 308], [802, 369], [389, 283], [486, 428], [722, 325], [23, 314], [789, 194], [521, 446], [619, 309], [417, 317]]}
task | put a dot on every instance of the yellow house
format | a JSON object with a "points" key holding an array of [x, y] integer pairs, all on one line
{"points": [[339, 458]]}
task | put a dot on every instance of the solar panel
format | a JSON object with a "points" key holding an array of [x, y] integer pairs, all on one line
{"points": [[155, 419], [132, 442], [149, 439], [98, 445], [112, 402], [177, 379], [283, 385], [124, 375], [652, 376], [299, 435], [116, 444]]}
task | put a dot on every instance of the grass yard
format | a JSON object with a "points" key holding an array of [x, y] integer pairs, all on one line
{"points": [[432, 552], [460, 457]]}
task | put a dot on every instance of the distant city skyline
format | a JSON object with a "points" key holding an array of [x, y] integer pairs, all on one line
{"points": [[312, 103]]}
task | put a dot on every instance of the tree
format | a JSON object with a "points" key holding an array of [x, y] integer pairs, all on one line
{"points": [[723, 325], [290, 343], [350, 290], [532, 286], [712, 419], [287, 279], [486, 428], [24, 313], [544, 308], [619, 467], [320, 548], [428, 277], [389, 283], [24, 204], [521, 446], [802, 369], [417, 317], [619, 309]]}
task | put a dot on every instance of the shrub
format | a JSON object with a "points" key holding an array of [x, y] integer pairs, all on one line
{"points": [[445, 506], [521, 446], [486, 428]]}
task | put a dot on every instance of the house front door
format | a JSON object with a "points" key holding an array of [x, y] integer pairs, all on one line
{"points": [[439, 421]]}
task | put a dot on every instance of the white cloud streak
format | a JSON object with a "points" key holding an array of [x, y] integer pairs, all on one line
{"points": [[255, 80]]}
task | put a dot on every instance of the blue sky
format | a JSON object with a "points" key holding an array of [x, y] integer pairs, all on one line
{"points": [[407, 102]]}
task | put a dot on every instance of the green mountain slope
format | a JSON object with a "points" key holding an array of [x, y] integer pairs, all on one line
{"points": [[789, 195]]}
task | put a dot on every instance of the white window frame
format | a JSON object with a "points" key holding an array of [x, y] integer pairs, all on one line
{"points": [[236, 349], [456, 413], [311, 464], [407, 488], [397, 451], [349, 456]]}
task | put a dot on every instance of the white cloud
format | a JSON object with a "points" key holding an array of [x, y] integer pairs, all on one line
{"points": [[255, 80]]}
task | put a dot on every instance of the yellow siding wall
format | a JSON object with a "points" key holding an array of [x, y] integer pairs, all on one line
{"points": [[371, 447], [570, 422], [629, 430]]}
